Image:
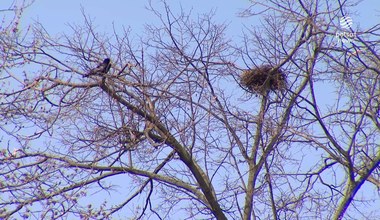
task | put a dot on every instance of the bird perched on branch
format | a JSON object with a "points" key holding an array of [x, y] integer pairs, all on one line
{"points": [[101, 69]]}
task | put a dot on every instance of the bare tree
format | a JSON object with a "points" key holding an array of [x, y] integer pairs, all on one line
{"points": [[169, 130]]}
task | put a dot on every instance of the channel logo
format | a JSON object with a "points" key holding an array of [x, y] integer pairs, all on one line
{"points": [[346, 22]]}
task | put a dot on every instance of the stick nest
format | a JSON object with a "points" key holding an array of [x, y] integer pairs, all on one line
{"points": [[263, 78]]}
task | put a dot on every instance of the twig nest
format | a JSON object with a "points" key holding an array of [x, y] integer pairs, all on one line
{"points": [[263, 79]]}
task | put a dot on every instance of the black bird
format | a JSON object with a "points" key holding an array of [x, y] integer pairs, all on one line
{"points": [[101, 69]]}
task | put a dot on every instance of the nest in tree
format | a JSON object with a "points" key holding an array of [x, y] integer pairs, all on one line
{"points": [[263, 79]]}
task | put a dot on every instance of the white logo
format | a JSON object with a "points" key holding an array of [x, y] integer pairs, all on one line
{"points": [[347, 35], [345, 22]]}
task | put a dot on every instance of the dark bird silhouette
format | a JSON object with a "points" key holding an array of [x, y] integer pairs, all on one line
{"points": [[101, 69]]}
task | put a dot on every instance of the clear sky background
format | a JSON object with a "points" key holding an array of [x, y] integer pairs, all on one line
{"points": [[56, 15]]}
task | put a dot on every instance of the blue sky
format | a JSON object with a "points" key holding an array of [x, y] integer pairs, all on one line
{"points": [[56, 16]]}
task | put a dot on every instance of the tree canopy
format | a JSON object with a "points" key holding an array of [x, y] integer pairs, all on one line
{"points": [[171, 131]]}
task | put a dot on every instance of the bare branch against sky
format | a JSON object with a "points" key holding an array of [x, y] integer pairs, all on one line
{"points": [[190, 116]]}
